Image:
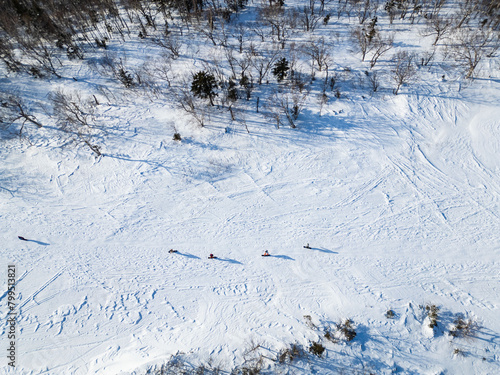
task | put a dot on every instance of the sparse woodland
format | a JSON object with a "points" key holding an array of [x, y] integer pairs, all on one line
{"points": [[236, 57]]}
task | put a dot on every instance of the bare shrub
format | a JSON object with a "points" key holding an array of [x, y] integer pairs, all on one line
{"points": [[374, 81], [390, 314], [330, 336], [432, 314], [317, 349], [309, 322], [463, 327], [291, 353], [347, 330]]}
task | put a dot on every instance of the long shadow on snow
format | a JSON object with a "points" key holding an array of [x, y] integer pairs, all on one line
{"points": [[35, 241], [488, 335], [195, 143], [229, 260], [306, 133], [152, 163], [327, 121], [39, 242], [282, 257], [323, 250]]}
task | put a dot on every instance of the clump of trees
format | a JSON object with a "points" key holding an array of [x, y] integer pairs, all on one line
{"points": [[270, 65]]}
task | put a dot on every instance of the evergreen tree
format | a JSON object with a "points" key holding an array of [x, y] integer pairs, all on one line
{"points": [[204, 86], [281, 68], [232, 91]]}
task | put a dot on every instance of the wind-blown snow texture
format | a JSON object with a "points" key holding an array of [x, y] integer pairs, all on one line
{"points": [[398, 197]]}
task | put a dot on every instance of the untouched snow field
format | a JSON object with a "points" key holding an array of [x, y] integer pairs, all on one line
{"points": [[398, 197]]}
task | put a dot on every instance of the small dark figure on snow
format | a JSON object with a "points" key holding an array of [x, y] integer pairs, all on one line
{"points": [[22, 238], [307, 246], [211, 256], [266, 254], [171, 251]]}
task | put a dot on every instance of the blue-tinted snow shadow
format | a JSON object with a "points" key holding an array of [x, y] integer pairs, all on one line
{"points": [[282, 257], [229, 260], [208, 146], [323, 250], [152, 163], [486, 334], [188, 255], [35, 241], [40, 242]]}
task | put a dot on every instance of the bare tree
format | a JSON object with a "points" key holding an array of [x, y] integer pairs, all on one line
{"points": [[232, 61], [365, 37], [310, 16], [170, 42], [273, 111], [427, 56], [439, 26], [14, 109], [322, 100], [319, 52], [374, 81], [76, 116], [274, 15], [380, 47], [263, 64], [160, 68], [260, 31], [364, 44], [190, 104], [467, 8], [404, 70], [42, 53], [241, 35], [471, 46], [365, 9], [8, 54], [286, 104], [112, 66], [433, 7]]}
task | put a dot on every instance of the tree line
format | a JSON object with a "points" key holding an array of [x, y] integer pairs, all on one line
{"points": [[255, 62]]}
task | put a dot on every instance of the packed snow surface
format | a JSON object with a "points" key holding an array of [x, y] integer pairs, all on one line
{"points": [[397, 196]]}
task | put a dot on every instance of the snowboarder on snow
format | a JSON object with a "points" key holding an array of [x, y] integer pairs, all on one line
{"points": [[172, 251], [307, 246], [211, 256], [266, 254]]}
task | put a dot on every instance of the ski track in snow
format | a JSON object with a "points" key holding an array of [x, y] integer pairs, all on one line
{"points": [[401, 210]]}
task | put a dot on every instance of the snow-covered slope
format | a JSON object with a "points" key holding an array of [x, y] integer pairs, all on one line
{"points": [[398, 197]]}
